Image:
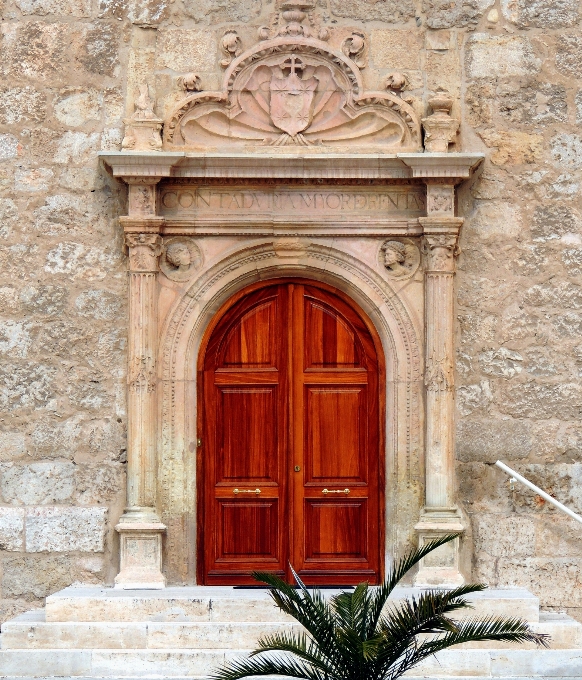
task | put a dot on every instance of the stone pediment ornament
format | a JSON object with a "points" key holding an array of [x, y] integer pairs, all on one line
{"points": [[293, 90]]}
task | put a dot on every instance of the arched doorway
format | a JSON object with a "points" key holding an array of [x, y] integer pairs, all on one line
{"points": [[290, 467]]}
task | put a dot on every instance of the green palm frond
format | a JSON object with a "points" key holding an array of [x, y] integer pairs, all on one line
{"points": [[360, 635]]}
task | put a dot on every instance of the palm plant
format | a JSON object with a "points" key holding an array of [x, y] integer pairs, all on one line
{"points": [[355, 636]]}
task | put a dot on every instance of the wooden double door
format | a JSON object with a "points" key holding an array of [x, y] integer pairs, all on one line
{"points": [[289, 465]]}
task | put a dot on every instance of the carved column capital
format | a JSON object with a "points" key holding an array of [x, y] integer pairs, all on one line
{"points": [[144, 250], [440, 251]]}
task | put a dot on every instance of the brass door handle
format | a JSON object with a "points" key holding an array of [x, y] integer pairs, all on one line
{"points": [[235, 491], [326, 491]]}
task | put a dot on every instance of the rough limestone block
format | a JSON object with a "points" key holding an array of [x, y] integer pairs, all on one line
{"points": [[22, 105], [569, 55], [65, 529], [488, 440], [396, 49], [9, 148], [494, 56], [541, 13], [11, 528], [391, 11], [502, 536], [38, 483], [76, 8], [459, 13], [45, 663], [186, 50], [213, 12]]}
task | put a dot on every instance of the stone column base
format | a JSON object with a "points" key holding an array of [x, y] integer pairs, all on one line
{"points": [[141, 556], [440, 568]]}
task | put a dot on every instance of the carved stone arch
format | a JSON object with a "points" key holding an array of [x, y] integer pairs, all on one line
{"points": [[329, 105], [179, 349]]}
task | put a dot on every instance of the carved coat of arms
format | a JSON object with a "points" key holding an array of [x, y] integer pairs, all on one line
{"points": [[291, 105]]}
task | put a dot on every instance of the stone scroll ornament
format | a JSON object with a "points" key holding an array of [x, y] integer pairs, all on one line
{"points": [[181, 259], [400, 259], [293, 88]]}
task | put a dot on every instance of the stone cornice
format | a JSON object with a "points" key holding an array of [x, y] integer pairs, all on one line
{"points": [[280, 166]]}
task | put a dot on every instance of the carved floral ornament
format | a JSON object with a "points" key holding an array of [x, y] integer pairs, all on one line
{"points": [[294, 90]]}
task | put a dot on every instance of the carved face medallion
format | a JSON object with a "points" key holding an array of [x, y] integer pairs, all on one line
{"points": [[291, 104]]}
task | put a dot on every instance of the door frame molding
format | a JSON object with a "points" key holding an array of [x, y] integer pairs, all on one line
{"points": [[398, 329], [219, 315]]}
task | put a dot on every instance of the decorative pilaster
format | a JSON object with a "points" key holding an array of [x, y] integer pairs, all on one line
{"points": [[140, 528], [440, 515]]}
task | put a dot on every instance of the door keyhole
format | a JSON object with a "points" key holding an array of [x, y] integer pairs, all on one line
{"points": [[297, 468]]}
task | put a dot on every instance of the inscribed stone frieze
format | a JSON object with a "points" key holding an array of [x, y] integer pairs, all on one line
{"points": [[200, 202]]}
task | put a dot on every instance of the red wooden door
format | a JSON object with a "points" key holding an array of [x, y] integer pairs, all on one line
{"points": [[289, 466]]}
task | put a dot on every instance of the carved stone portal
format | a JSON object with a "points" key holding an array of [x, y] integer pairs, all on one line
{"points": [[293, 91]]}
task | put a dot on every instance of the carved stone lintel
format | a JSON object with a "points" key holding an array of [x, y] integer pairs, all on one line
{"points": [[440, 128], [141, 556]]}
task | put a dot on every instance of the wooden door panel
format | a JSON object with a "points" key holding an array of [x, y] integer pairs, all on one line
{"points": [[290, 417], [337, 530], [335, 428], [248, 425], [332, 342], [249, 530], [252, 341]]}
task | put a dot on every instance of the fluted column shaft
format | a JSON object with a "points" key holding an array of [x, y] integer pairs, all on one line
{"points": [[144, 250]]}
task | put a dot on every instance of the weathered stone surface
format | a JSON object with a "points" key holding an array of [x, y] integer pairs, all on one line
{"points": [[492, 56], [502, 536], [26, 385], [35, 576], [460, 13], [15, 338], [98, 304], [9, 147], [391, 11], [501, 363], [569, 55], [76, 107], [22, 104], [8, 216], [218, 11], [79, 261], [186, 50], [38, 483], [489, 440], [396, 49], [77, 147], [76, 8], [552, 295], [494, 219], [552, 221], [572, 259], [534, 400], [99, 49], [567, 150], [65, 529], [474, 398], [99, 484], [38, 50], [541, 13], [537, 103], [12, 529], [512, 147], [35, 179]]}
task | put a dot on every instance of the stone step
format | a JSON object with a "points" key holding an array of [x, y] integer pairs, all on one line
{"points": [[224, 604], [178, 664], [31, 631]]}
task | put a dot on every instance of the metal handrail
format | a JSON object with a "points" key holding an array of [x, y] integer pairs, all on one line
{"points": [[516, 477]]}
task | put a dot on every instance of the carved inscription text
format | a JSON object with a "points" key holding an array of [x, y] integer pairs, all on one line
{"points": [[405, 201]]}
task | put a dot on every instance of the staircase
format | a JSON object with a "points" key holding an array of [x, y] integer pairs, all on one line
{"points": [[177, 633]]}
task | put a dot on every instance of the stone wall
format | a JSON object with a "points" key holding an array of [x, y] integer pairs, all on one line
{"points": [[70, 71]]}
